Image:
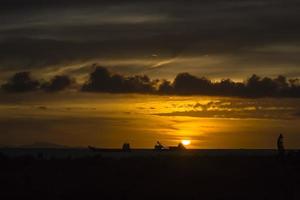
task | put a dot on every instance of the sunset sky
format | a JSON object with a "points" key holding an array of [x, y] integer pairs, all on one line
{"points": [[161, 38], [216, 38]]}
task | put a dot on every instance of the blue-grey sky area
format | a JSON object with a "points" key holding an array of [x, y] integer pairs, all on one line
{"points": [[215, 38]]}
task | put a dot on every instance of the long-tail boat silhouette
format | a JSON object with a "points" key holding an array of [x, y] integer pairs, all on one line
{"points": [[179, 147], [160, 147], [126, 148]]}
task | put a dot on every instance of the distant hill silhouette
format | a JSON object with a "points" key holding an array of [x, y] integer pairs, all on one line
{"points": [[43, 145]]}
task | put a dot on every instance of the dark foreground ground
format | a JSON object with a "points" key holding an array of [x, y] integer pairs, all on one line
{"points": [[150, 177]]}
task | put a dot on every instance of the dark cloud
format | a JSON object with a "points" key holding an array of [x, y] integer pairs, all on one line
{"points": [[268, 108], [21, 82], [255, 86], [37, 34], [101, 80], [255, 114], [58, 83], [185, 83], [42, 107], [165, 87], [36, 53]]}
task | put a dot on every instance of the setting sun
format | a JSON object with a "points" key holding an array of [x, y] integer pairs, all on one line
{"points": [[186, 142]]}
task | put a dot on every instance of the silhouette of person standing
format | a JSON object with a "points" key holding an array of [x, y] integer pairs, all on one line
{"points": [[280, 147]]}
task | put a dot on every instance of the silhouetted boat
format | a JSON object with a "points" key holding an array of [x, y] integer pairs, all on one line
{"points": [[179, 147], [125, 148], [160, 147]]}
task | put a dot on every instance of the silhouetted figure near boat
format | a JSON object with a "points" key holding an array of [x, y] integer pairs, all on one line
{"points": [[126, 147], [280, 148], [159, 146]]}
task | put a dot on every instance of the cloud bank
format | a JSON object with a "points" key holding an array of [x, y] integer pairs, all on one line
{"points": [[102, 80], [23, 82]]}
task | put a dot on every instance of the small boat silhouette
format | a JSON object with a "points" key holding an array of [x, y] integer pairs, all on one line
{"points": [[125, 148]]}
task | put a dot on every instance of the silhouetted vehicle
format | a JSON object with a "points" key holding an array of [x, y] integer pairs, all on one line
{"points": [[180, 147]]}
